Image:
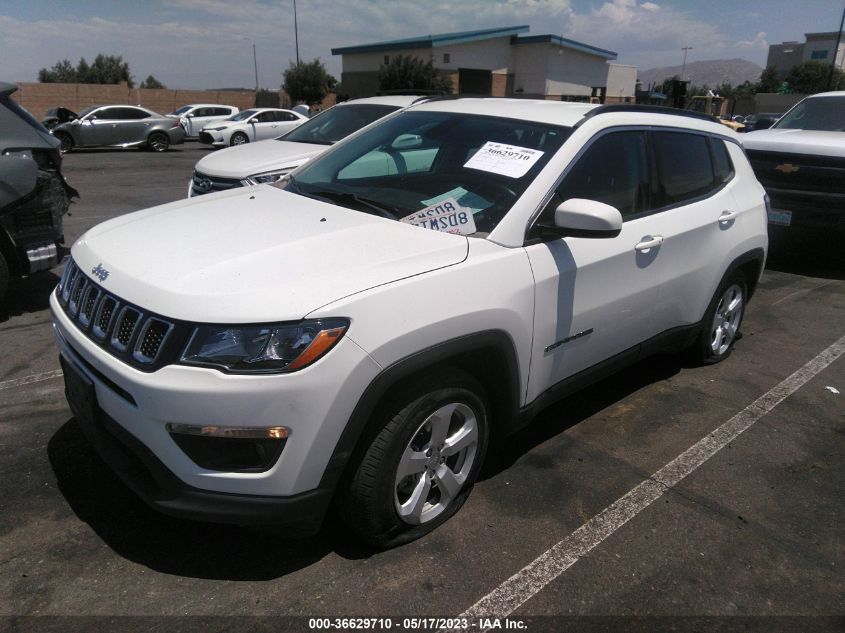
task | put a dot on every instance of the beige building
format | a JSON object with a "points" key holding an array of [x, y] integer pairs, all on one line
{"points": [[816, 47], [499, 62]]}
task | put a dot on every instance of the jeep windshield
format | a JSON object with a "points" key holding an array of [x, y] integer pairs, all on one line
{"points": [[336, 123], [823, 114], [419, 166]]}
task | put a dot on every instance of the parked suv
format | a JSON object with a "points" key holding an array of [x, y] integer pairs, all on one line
{"points": [[801, 162], [363, 329], [267, 161], [33, 193]]}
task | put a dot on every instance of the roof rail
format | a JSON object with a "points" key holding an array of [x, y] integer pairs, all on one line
{"points": [[651, 109]]}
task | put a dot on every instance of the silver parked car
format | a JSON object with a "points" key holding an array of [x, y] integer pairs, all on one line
{"points": [[120, 126]]}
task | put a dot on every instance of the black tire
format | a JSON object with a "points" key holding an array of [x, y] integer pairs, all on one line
{"points": [[66, 142], [158, 142], [712, 345], [238, 138], [370, 496]]}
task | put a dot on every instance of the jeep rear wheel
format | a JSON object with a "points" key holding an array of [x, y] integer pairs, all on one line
{"points": [[722, 321], [420, 467]]}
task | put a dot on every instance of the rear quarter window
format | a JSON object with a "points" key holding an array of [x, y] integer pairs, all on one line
{"points": [[684, 167]]}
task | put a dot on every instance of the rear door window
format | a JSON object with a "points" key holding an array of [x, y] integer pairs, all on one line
{"points": [[684, 167]]}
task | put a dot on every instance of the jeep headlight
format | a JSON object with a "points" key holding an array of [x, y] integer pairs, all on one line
{"points": [[263, 349], [268, 177]]}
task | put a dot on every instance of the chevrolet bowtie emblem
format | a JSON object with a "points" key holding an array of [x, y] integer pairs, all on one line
{"points": [[787, 168]]}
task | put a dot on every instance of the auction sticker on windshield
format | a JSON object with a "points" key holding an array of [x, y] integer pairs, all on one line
{"points": [[446, 216], [505, 160]]}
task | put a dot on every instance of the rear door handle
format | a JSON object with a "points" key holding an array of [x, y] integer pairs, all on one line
{"points": [[649, 242], [726, 216]]}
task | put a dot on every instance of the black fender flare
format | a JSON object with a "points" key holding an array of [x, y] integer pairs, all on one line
{"points": [[504, 402]]}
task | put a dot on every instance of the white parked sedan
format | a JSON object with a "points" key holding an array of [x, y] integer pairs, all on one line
{"points": [[255, 124], [196, 116], [268, 161]]}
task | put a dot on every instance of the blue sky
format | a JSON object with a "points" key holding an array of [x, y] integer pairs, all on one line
{"points": [[208, 43]]}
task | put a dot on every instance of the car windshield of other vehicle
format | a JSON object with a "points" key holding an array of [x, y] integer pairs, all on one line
{"points": [[242, 115], [336, 123], [419, 167], [181, 111], [824, 114], [87, 111]]}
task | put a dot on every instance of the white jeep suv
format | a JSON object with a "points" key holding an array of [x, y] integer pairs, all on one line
{"points": [[361, 332]]}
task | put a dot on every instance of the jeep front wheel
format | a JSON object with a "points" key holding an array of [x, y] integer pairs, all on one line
{"points": [[420, 467]]}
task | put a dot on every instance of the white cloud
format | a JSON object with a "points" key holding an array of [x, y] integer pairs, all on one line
{"points": [[759, 42], [208, 43]]}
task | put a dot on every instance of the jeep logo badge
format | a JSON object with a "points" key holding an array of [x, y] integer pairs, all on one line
{"points": [[100, 272], [787, 168]]}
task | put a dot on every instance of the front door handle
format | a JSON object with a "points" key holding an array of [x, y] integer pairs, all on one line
{"points": [[649, 242], [726, 216]]}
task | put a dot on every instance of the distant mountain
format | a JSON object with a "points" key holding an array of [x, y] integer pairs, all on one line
{"points": [[712, 72]]}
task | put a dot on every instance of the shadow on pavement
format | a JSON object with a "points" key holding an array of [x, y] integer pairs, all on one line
{"points": [[580, 406], [808, 254], [31, 294], [176, 546]]}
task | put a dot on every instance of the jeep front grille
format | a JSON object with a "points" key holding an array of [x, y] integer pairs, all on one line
{"points": [[128, 332]]}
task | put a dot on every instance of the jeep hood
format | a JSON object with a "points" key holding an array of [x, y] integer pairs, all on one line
{"points": [[796, 142], [256, 158], [256, 254]]}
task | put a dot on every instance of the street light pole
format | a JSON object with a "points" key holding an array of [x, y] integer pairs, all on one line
{"points": [[296, 33], [255, 61], [835, 51], [684, 67]]}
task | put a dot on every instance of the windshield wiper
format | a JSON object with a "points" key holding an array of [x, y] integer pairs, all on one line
{"points": [[384, 210]]}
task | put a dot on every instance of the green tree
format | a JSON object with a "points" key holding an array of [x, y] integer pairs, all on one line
{"points": [[106, 69], [769, 80], [308, 82], [62, 72], [151, 82], [812, 77], [404, 72]]}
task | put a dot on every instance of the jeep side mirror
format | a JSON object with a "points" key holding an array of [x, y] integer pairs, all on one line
{"points": [[579, 217]]}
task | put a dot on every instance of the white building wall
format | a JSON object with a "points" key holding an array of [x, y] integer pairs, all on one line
{"points": [[573, 72], [621, 80], [530, 66], [492, 54]]}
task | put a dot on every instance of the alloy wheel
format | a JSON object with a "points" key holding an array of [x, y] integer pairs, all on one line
{"points": [[726, 320], [436, 463]]}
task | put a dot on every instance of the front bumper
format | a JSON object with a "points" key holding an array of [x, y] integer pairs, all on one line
{"points": [[144, 474], [212, 138], [811, 210], [314, 403]]}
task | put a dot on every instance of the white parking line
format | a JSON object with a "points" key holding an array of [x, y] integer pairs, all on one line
{"points": [[532, 578], [28, 380]]}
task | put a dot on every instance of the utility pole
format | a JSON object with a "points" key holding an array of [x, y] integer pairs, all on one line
{"points": [[835, 51], [255, 61], [296, 33], [684, 67]]}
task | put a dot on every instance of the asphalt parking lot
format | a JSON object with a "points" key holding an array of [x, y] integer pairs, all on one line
{"points": [[597, 512]]}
